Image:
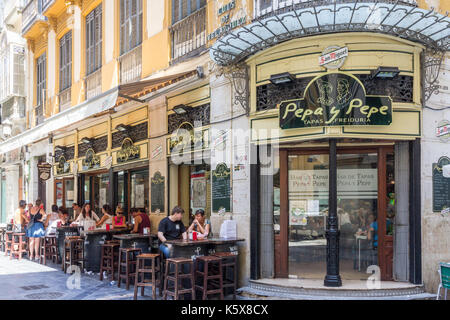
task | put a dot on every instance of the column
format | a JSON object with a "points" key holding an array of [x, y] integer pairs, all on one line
{"points": [[332, 279]]}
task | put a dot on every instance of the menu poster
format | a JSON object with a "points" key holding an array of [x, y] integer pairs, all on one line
{"points": [[298, 212], [139, 199], [198, 189], [441, 186], [102, 197], [157, 192], [221, 188]]}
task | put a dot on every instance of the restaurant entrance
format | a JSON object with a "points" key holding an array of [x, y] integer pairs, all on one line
{"points": [[132, 189], [95, 190], [64, 193], [365, 201]]}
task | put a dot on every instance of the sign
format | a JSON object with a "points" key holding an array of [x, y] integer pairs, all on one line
{"points": [[157, 151], [221, 188], [44, 170], [225, 20], [91, 160], [128, 151], [63, 166], [333, 57], [441, 186], [335, 99], [188, 139], [443, 131], [157, 192]]}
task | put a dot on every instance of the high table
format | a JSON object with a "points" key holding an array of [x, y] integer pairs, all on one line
{"points": [[93, 241], [61, 234], [145, 242]]}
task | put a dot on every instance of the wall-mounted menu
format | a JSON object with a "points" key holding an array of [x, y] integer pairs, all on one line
{"points": [[157, 192], [441, 186], [221, 188]]}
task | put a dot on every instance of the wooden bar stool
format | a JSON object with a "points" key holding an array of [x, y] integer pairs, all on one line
{"points": [[128, 263], [18, 245], [211, 275], [47, 249], [141, 270], [109, 261], [178, 275], [73, 253], [8, 242], [2, 239], [229, 261]]}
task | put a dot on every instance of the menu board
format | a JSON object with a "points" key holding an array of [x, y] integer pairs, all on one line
{"points": [[157, 192], [221, 189], [441, 186]]}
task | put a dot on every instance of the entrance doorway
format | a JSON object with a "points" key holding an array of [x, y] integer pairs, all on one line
{"points": [[132, 189], [64, 193], [365, 200], [95, 190]]}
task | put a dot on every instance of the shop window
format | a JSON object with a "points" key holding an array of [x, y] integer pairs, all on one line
{"points": [[139, 190]]}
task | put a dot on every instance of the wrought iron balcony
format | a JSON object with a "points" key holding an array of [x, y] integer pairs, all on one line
{"points": [[131, 65], [32, 13], [65, 99], [39, 114], [93, 84], [188, 36]]}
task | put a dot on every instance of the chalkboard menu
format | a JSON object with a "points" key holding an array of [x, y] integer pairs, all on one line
{"points": [[441, 186], [221, 188], [157, 192]]}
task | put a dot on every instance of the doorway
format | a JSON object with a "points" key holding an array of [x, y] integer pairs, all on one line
{"points": [[64, 194], [132, 189], [365, 198], [95, 190]]}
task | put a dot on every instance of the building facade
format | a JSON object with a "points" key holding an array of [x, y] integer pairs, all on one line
{"points": [[235, 107]]}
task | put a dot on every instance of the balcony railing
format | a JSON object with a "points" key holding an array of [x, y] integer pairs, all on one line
{"points": [[65, 99], [32, 13], [93, 84], [188, 36], [46, 4], [267, 7], [39, 114], [131, 65], [14, 108]]}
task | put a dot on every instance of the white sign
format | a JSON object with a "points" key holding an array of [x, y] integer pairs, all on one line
{"points": [[157, 151], [140, 200], [333, 57]]}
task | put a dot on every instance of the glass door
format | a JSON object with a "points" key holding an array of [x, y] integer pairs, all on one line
{"points": [[139, 183]]}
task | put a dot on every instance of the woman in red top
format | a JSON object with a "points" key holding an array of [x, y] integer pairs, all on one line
{"points": [[141, 221], [119, 219]]}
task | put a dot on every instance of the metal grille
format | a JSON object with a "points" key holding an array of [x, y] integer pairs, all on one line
{"points": [[199, 114], [65, 99], [400, 89], [44, 296], [35, 287], [93, 83], [136, 133], [131, 65], [100, 144]]}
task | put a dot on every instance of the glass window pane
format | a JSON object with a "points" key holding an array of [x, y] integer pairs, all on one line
{"points": [[308, 210], [140, 190], [69, 195], [59, 194]]}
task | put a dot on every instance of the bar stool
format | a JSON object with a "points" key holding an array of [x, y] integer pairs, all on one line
{"points": [[73, 253], [47, 249], [8, 242], [18, 245], [128, 263], [211, 274], [178, 275], [2, 239], [109, 260], [142, 270], [229, 261]]}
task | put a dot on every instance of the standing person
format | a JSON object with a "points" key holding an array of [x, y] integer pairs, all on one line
{"points": [[119, 220], [87, 218], [35, 230], [51, 218], [171, 228], [106, 218], [76, 210], [201, 225], [141, 221], [20, 217]]}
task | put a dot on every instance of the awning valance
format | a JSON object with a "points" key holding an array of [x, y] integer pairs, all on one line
{"points": [[405, 21]]}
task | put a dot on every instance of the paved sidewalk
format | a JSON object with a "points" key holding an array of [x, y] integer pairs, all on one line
{"points": [[26, 280]]}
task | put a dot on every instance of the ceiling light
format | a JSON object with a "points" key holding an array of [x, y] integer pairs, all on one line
{"points": [[86, 140], [282, 78], [60, 148], [122, 128], [181, 109], [385, 73]]}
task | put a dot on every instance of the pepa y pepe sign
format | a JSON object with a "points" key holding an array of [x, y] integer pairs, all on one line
{"points": [[335, 99]]}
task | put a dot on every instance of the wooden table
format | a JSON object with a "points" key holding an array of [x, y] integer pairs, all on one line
{"points": [[93, 241], [145, 242], [203, 247]]}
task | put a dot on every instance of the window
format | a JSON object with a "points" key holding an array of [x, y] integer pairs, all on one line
{"points": [[94, 40], [130, 24], [40, 80], [182, 8], [65, 61], [19, 71]]}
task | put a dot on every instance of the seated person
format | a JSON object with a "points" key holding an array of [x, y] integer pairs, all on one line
{"points": [[141, 221], [119, 220], [106, 218], [171, 228], [87, 218], [63, 217], [201, 225]]}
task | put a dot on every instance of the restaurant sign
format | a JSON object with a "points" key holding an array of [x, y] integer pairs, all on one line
{"points": [[91, 160], [44, 171], [63, 166], [335, 99], [128, 151], [187, 139], [443, 130]]}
